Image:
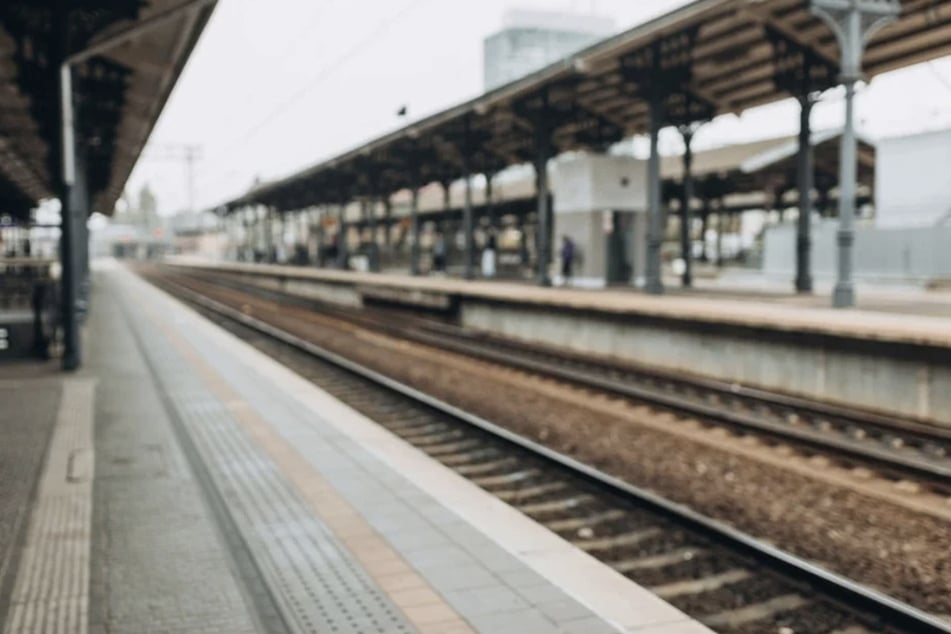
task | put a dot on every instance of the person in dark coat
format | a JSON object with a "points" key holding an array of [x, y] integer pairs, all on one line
{"points": [[439, 253], [567, 258]]}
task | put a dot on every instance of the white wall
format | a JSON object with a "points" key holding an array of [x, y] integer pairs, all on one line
{"points": [[920, 253], [590, 182], [913, 179]]}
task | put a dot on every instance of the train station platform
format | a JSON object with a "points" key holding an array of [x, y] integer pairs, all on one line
{"points": [[888, 317], [881, 360], [192, 484]]}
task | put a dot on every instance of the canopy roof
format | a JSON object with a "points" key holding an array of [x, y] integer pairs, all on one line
{"points": [[119, 90], [765, 166], [771, 164], [711, 56]]}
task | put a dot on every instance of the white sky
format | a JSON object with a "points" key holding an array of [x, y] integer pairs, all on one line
{"points": [[274, 86]]}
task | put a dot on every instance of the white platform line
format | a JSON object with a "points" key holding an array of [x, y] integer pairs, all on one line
{"points": [[51, 591]]}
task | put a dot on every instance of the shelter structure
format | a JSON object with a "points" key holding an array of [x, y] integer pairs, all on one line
{"points": [[706, 58], [601, 215], [82, 83]]}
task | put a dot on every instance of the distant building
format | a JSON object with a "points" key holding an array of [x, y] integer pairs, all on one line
{"points": [[530, 40], [136, 230], [912, 188], [142, 214]]}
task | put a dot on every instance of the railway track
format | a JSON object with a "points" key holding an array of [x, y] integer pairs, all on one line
{"points": [[897, 449], [731, 581]]}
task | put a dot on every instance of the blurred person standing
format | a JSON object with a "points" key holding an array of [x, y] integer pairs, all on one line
{"points": [[567, 258], [439, 253], [489, 255]]}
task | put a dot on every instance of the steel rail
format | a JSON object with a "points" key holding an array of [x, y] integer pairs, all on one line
{"points": [[447, 337]]}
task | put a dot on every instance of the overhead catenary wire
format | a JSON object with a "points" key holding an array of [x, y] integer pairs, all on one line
{"points": [[292, 44], [325, 72], [944, 81]]}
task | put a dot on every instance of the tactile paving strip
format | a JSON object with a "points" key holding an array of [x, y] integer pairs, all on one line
{"points": [[52, 585], [315, 580]]}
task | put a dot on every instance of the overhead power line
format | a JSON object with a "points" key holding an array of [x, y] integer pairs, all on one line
{"points": [[185, 153], [944, 81], [361, 46], [291, 45]]}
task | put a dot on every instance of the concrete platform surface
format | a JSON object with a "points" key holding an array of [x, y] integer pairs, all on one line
{"points": [[195, 485], [926, 319]]}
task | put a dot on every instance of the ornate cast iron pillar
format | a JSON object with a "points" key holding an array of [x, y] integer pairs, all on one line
{"points": [[853, 22]]}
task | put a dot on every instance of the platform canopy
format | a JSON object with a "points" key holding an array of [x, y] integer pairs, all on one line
{"points": [[768, 167], [126, 58], [708, 58]]}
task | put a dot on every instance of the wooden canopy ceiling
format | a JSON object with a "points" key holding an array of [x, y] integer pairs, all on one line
{"points": [[118, 92]]}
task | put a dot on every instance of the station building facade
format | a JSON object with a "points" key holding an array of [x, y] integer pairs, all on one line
{"points": [[532, 39]]}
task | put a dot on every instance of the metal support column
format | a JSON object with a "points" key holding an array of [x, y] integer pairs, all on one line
{"points": [[317, 226], [844, 293], [805, 178], [71, 195], [704, 227], [373, 260], [445, 229], [254, 231], [280, 242], [237, 234], [303, 232], [543, 153], [467, 226], [686, 213], [414, 231], [343, 256], [269, 246], [72, 207], [853, 23], [721, 225], [249, 232], [263, 239], [489, 203], [655, 231], [257, 227]]}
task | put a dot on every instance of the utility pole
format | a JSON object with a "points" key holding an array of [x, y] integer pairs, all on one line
{"points": [[186, 153]]}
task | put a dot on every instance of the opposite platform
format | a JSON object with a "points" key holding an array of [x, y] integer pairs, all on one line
{"points": [[710, 306], [898, 365], [232, 495]]}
